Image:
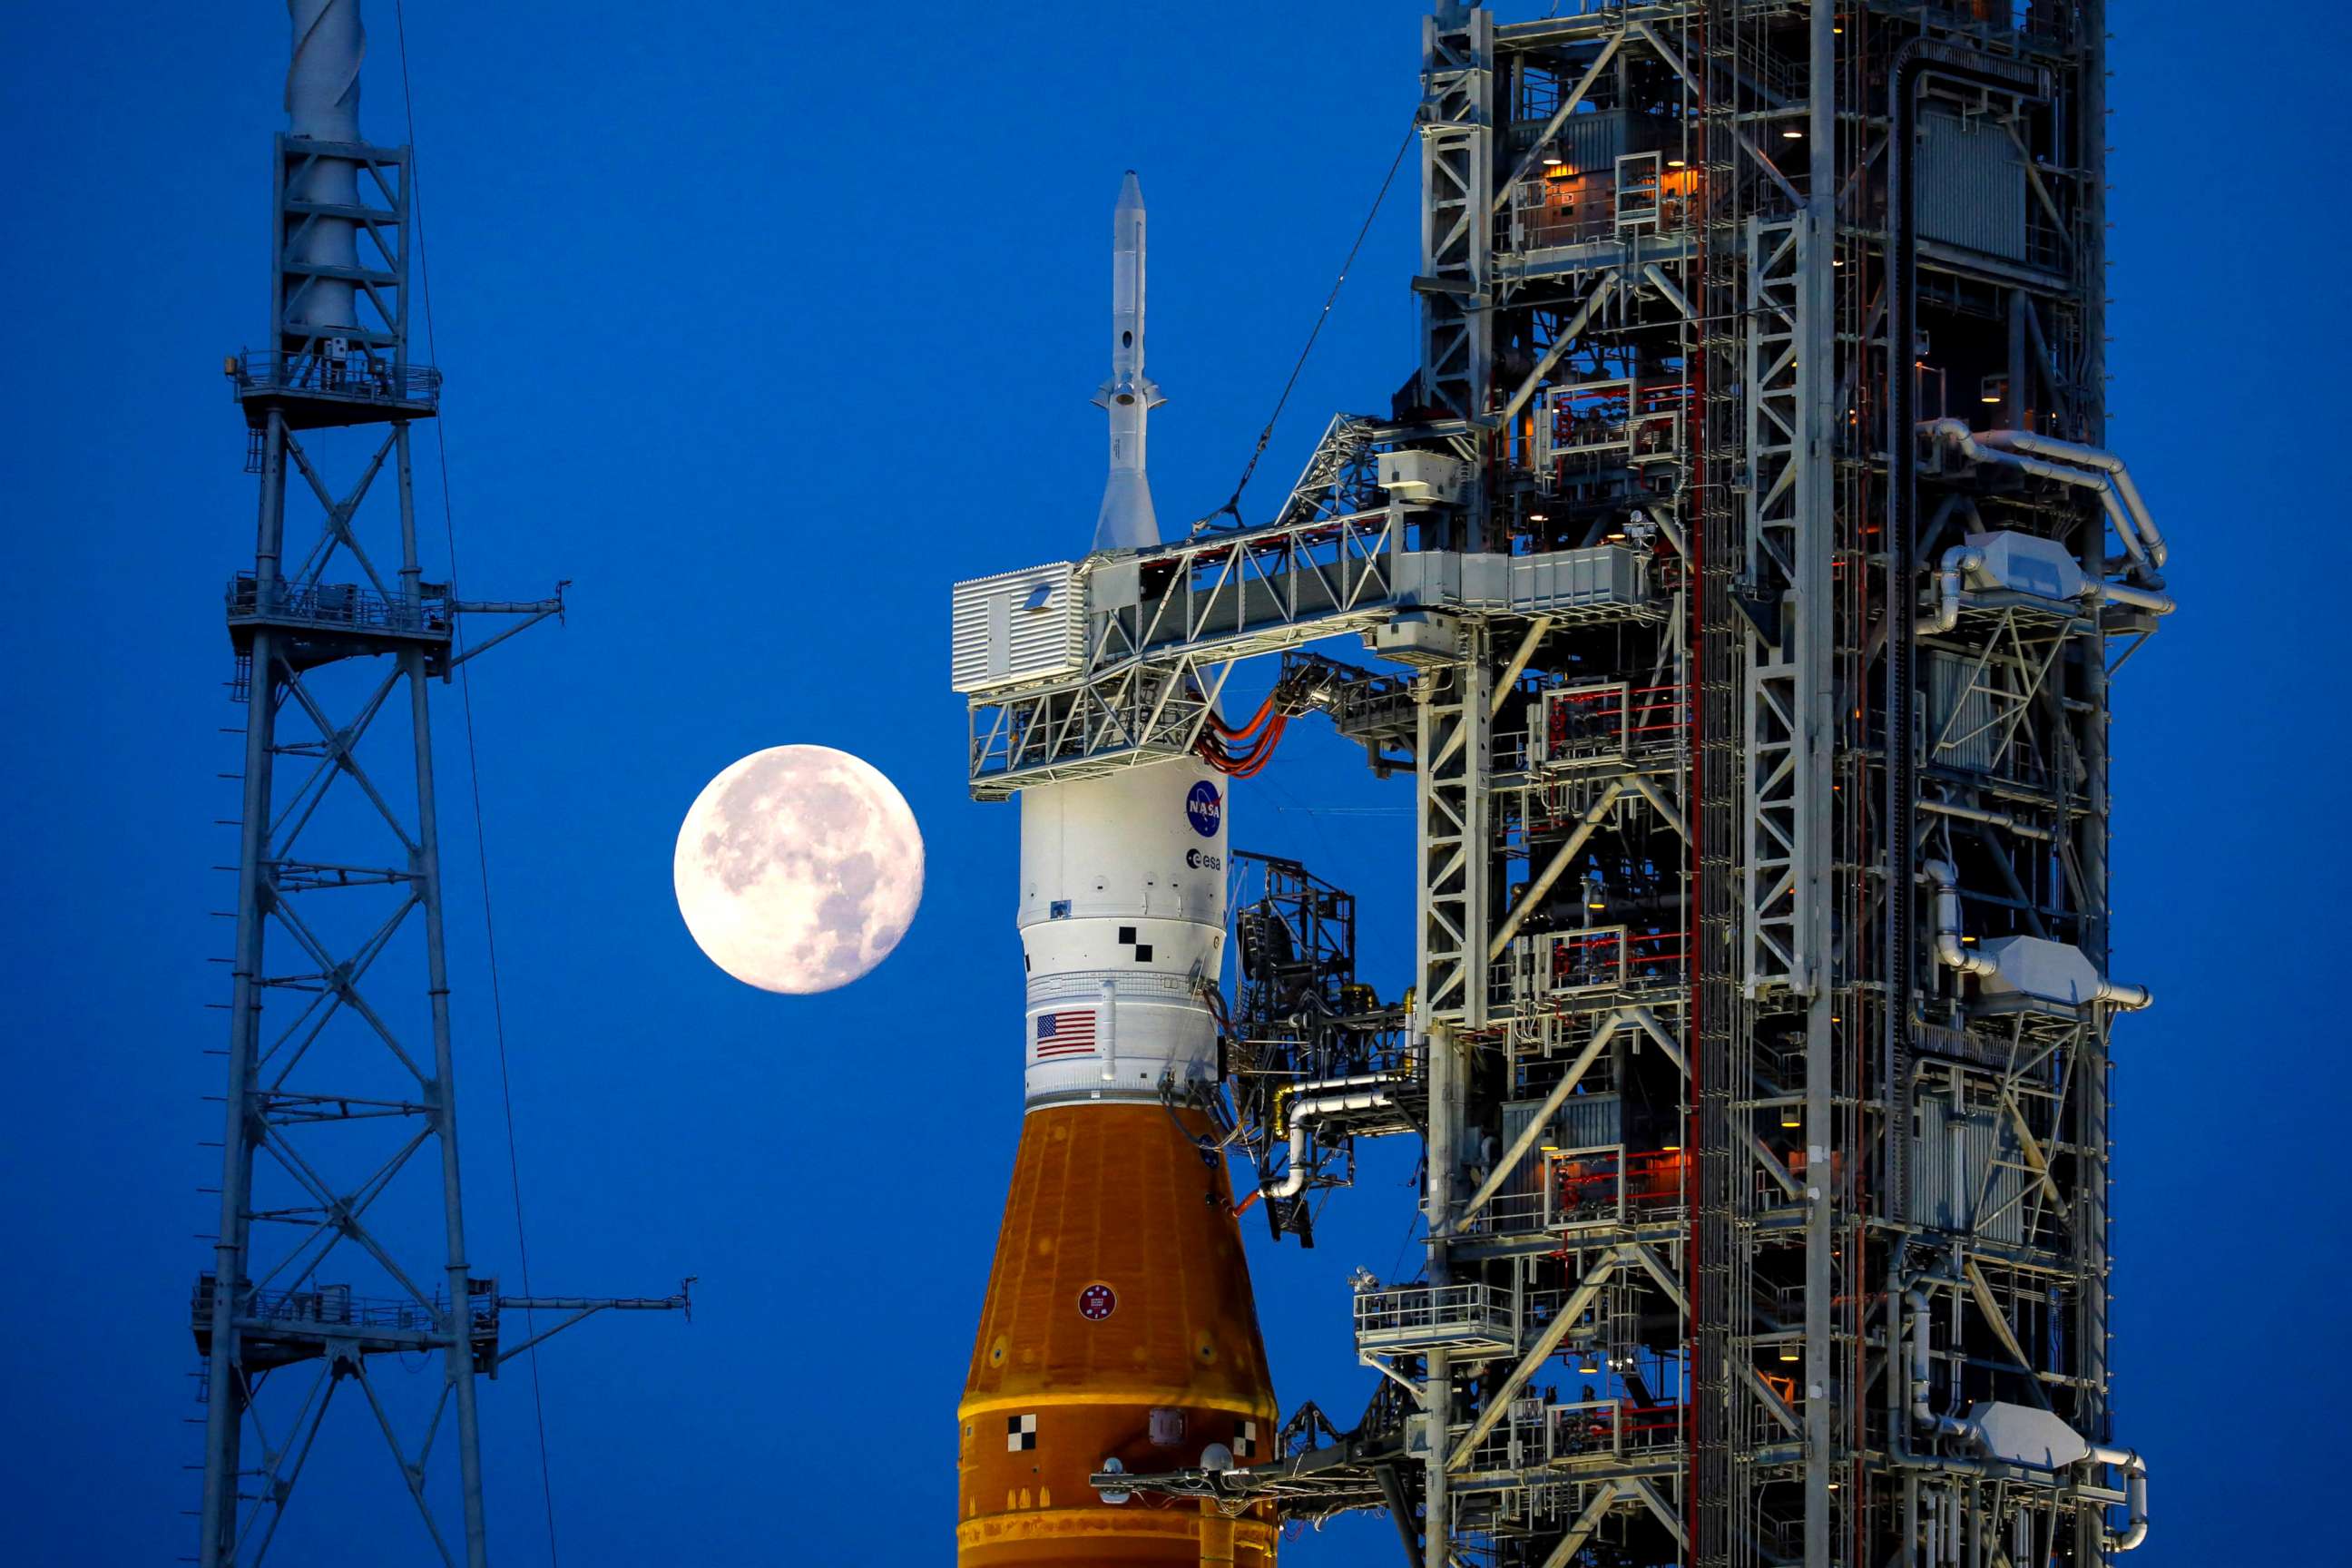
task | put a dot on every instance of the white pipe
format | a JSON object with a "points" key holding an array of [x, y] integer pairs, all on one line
{"points": [[1110, 1032], [1995, 818], [1951, 581], [1955, 954], [1922, 1417], [1352, 1080], [2139, 598], [1302, 1111], [1964, 441], [2105, 462], [1950, 949], [2135, 1470], [2130, 998]]}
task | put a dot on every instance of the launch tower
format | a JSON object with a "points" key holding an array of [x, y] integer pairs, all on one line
{"points": [[1745, 572], [341, 1239]]}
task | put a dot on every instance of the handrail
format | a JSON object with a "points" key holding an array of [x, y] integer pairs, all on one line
{"points": [[361, 378], [1408, 1306], [345, 606], [333, 1306]]}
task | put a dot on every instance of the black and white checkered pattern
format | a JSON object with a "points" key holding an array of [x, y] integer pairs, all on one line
{"points": [[1245, 1441], [1141, 950], [1020, 1433]]}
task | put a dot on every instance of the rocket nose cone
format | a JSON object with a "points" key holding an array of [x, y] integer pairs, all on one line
{"points": [[1130, 194]]}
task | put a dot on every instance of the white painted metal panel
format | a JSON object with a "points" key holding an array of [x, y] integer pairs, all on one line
{"points": [[1122, 917], [1017, 626]]}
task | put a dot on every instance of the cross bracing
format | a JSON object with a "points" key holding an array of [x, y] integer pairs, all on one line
{"points": [[1760, 1014], [342, 1249]]}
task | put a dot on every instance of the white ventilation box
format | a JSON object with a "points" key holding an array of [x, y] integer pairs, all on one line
{"points": [[1413, 475], [1420, 637], [2023, 1435], [2025, 564], [1017, 626], [2045, 971]]}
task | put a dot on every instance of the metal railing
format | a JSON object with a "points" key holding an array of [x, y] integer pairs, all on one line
{"points": [[334, 1307], [1508, 1213], [1610, 1427], [1423, 1315], [352, 376], [1611, 1186], [1617, 416], [1562, 968], [1609, 720], [1553, 209], [1539, 1433], [343, 606]]}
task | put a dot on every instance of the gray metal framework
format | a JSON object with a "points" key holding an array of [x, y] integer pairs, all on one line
{"points": [[1761, 1017], [340, 1151]]}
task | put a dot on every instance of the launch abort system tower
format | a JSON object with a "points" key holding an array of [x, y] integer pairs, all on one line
{"points": [[342, 1097], [1748, 571]]}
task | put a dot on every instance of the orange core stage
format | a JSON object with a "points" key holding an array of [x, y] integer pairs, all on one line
{"points": [[1119, 1324]]}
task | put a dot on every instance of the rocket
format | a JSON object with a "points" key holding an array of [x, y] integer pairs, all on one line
{"points": [[1127, 520], [1118, 1330]]}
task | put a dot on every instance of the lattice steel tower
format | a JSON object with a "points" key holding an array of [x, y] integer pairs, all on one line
{"points": [[1756, 573], [339, 1082]]}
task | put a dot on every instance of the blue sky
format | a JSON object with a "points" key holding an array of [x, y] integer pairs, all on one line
{"points": [[763, 329]]}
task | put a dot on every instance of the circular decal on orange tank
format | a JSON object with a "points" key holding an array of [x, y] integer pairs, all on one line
{"points": [[1097, 1302]]}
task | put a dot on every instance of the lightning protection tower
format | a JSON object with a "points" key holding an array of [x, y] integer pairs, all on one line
{"points": [[339, 1157]]}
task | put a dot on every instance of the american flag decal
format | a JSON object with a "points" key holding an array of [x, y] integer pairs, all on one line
{"points": [[1061, 1034]]}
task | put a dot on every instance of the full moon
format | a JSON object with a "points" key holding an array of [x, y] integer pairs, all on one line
{"points": [[798, 869]]}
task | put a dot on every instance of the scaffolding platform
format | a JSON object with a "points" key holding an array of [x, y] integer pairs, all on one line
{"points": [[279, 1328], [1412, 1320], [326, 621], [316, 392]]}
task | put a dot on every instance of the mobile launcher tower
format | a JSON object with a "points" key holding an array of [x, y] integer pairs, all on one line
{"points": [[1746, 574]]}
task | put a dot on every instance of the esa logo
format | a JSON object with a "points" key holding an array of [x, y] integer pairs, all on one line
{"points": [[1203, 810], [1202, 860]]}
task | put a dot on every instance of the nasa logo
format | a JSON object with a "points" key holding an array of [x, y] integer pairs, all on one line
{"points": [[1097, 1302], [1203, 810]]}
